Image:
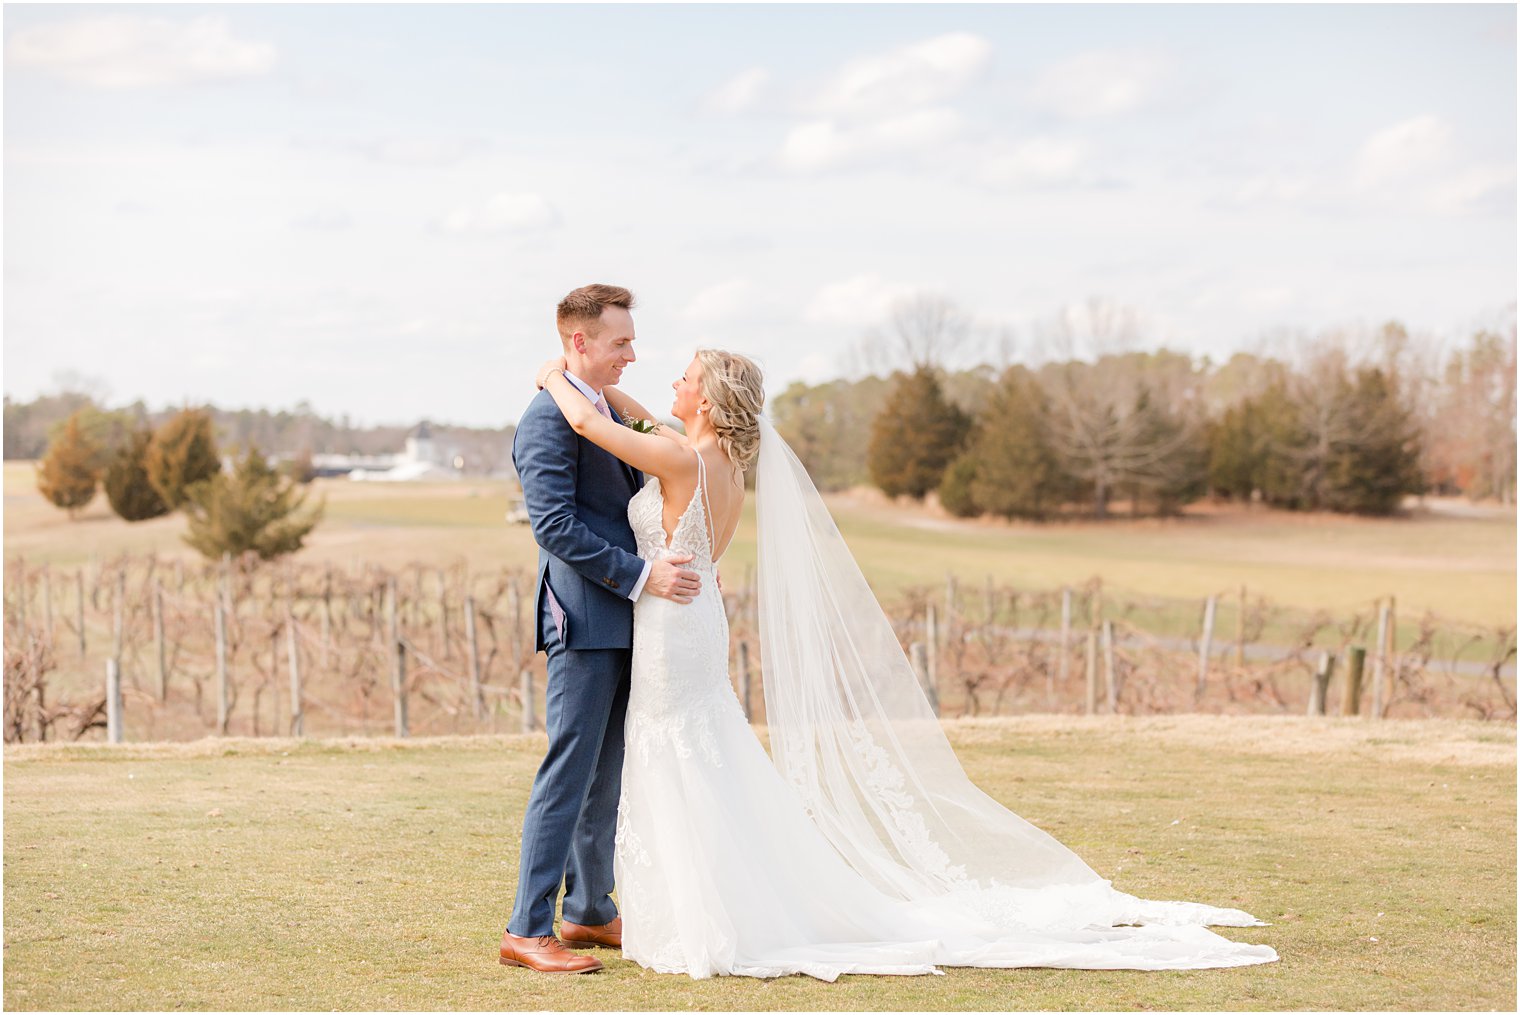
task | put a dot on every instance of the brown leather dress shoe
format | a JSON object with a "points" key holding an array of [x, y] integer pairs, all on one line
{"points": [[608, 935], [544, 954]]}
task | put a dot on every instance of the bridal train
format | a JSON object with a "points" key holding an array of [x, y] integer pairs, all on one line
{"points": [[858, 845]]}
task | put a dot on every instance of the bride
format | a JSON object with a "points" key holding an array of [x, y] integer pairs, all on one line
{"points": [[858, 845]]}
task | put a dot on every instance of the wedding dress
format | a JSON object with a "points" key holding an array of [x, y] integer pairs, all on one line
{"points": [[863, 847]]}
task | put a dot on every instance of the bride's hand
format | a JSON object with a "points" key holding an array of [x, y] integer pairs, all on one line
{"points": [[557, 363]]}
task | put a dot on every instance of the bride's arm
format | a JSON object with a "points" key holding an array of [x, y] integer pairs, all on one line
{"points": [[645, 452], [625, 405]]}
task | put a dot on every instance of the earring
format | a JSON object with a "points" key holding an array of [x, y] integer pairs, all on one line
{"points": [[700, 410]]}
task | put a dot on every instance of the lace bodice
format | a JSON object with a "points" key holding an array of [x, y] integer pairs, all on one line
{"points": [[646, 516]]}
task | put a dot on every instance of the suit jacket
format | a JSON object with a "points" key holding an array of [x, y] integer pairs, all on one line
{"points": [[577, 499]]}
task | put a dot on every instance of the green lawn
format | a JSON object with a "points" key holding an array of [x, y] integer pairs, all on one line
{"points": [[377, 875]]}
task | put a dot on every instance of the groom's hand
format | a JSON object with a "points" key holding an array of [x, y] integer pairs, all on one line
{"points": [[668, 581]]}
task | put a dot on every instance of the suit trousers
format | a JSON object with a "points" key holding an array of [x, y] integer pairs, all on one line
{"points": [[571, 817]]}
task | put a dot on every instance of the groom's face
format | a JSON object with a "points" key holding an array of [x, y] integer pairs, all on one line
{"points": [[603, 355]]}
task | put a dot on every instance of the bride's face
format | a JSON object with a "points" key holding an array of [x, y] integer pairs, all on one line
{"points": [[688, 389]]}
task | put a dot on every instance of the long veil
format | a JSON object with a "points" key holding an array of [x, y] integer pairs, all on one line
{"points": [[852, 731]]}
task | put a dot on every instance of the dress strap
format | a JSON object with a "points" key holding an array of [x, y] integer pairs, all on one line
{"points": [[707, 523]]}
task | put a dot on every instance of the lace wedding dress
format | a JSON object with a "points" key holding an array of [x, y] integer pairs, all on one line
{"points": [[837, 857]]}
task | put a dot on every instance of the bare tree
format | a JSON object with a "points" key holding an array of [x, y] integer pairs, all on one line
{"points": [[1108, 421], [922, 331]]}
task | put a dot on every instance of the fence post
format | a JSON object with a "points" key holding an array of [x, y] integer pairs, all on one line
{"points": [[1380, 660], [297, 710], [326, 614], [120, 612], [514, 607], [113, 701], [398, 656], [1207, 644], [1108, 667], [1321, 683], [1240, 632], [950, 604], [919, 653], [443, 614], [1092, 672], [931, 639], [158, 638], [1065, 634], [526, 684], [1352, 702], [79, 608], [476, 703], [223, 688], [744, 679], [47, 600]]}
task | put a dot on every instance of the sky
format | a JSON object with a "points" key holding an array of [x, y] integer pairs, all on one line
{"points": [[374, 209]]}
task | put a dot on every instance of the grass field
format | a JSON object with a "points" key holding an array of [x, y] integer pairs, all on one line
{"points": [[377, 874], [1461, 566]]}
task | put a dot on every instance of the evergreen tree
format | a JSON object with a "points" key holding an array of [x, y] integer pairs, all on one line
{"points": [[131, 495], [1372, 474], [1010, 468], [183, 452], [955, 494], [915, 436], [69, 473], [255, 508]]}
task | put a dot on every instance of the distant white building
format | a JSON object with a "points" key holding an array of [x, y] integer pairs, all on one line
{"points": [[423, 459]]}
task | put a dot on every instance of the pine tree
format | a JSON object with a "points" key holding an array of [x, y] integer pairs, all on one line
{"points": [[255, 508], [1012, 469], [131, 495], [1372, 474], [183, 452], [69, 472], [915, 436]]}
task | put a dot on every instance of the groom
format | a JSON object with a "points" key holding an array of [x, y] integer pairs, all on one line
{"points": [[588, 578]]}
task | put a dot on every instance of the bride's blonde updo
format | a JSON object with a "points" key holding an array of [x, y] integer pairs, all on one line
{"points": [[735, 388]]}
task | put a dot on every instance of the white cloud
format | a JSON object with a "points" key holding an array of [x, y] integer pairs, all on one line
{"points": [[1405, 150], [1040, 161], [128, 51], [856, 301], [1419, 164], [419, 151], [324, 220], [720, 302], [503, 213], [738, 93], [1100, 83], [920, 74], [825, 144], [1272, 188]]}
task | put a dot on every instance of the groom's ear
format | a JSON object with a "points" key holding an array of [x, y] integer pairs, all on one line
{"points": [[578, 342]]}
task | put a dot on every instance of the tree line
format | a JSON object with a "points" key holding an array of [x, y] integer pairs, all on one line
{"points": [[1335, 424], [150, 472]]}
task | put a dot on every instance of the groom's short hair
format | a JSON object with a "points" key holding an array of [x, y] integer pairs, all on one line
{"points": [[582, 308]]}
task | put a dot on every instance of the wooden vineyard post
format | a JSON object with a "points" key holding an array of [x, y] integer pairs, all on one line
{"points": [[1321, 684], [113, 701], [744, 679], [477, 703], [297, 709], [398, 656], [1205, 646], [1352, 701]]}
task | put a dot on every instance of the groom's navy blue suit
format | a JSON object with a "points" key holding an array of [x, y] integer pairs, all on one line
{"points": [[577, 498]]}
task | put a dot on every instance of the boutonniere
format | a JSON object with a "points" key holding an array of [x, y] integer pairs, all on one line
{"points": [[641, 425]]}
